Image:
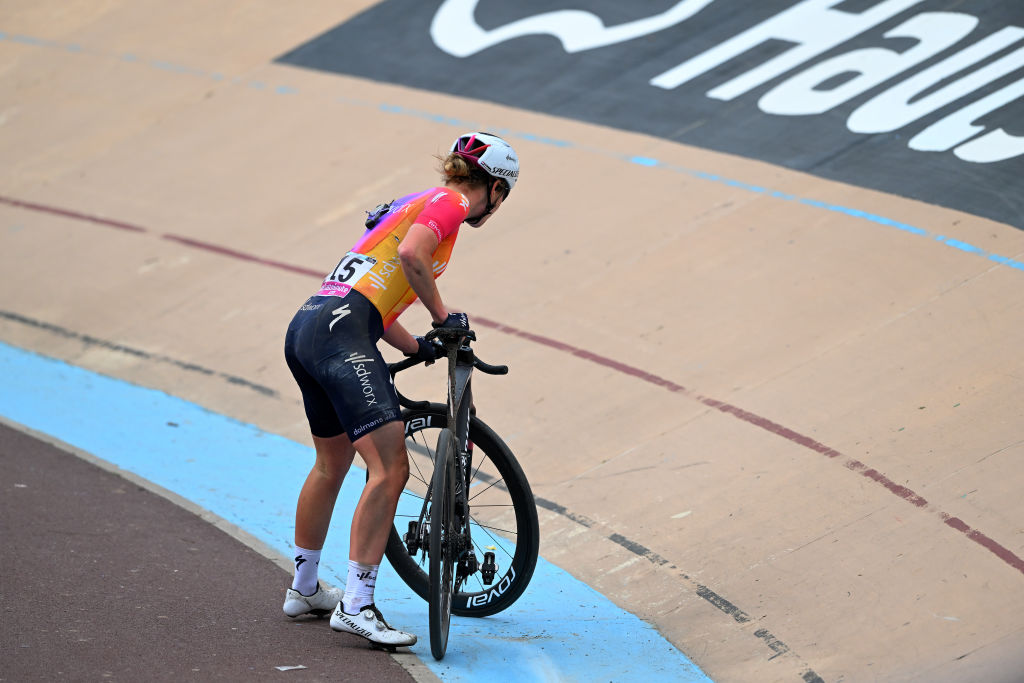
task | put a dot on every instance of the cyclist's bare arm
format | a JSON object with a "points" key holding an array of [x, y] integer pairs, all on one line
{"points": [[416, 254], [398, 337]]}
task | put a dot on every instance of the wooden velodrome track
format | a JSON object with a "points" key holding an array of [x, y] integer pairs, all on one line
{"points": [[787, 436]]}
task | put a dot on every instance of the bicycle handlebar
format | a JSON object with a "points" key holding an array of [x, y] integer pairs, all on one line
{"points": [[489, 369], [396, 368], [448, 337], [483, 367]]}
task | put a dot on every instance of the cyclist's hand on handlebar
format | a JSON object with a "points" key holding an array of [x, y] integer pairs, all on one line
{"points": [[455, 321], [428, 351]]}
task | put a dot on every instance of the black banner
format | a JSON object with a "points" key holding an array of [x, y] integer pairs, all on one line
{"points": [[921, 98]]}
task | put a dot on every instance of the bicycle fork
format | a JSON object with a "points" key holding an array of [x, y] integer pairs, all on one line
{"points": [[468, 563]]}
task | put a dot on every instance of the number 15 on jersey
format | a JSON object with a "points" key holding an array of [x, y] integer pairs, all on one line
{"points": [[349, 270]]}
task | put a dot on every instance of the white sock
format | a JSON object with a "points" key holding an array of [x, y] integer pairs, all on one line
{"points": [[359, 588], [307, 563]]}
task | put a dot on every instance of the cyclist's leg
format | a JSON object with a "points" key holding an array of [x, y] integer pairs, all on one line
{"points": [[315, 505], [319, 493], [340, 355], [312, 519], [348, 397], [387, 467], [362, 393]]}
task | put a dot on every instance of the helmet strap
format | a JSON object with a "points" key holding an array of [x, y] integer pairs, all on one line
{"points": [[489, 208]]}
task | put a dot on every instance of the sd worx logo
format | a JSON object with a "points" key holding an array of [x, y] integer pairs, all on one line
{"points": [[953, 69], [359, 362]]}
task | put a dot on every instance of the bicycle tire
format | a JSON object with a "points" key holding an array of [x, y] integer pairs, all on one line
{"points": [[516, 549], [442, 532]]}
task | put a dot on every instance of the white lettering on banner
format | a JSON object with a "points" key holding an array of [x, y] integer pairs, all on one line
{"points": [[455, 30], [814, 28], [801, 94], [811, 25], [894, 109], [996, 145]]}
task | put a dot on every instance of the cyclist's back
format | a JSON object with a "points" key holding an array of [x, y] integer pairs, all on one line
{"points": [[331, 346], [372, 267]]}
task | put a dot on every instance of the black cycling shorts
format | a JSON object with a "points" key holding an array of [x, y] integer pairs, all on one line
{"points": [[331, 349]]}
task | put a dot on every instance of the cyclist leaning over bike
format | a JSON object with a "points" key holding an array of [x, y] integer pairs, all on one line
{"points": [[347, 392]]}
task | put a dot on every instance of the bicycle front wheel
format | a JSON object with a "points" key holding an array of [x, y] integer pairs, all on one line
{"points": [[442, 540], [503, 515]]}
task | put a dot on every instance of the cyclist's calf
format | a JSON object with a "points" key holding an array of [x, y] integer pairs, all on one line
{"points": [[387, 462]]}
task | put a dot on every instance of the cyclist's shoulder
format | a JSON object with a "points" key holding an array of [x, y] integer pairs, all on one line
{"points": [[432, 196], [445, 196], [441, 209]]}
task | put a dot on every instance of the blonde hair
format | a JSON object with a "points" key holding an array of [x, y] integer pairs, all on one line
{"points": [[455, 168]]}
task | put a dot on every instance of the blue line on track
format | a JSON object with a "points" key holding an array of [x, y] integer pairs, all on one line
{"points": [[434, 117], [559, 630]]}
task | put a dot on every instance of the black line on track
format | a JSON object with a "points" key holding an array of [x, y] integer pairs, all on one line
{"points": [[89, 340]]}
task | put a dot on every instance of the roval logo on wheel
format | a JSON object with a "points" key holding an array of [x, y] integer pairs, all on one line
{"points": [[899, 95]]}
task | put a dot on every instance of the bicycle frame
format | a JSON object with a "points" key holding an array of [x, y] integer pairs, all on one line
{"points": [[443, 526], [461, 362], [460, 407], [460, 396]]}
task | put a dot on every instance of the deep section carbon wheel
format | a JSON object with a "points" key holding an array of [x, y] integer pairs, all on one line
{"points": [[443, 533], [503, 516]]}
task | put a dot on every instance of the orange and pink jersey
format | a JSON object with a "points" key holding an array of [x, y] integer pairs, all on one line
{"points": [[372, 267]]}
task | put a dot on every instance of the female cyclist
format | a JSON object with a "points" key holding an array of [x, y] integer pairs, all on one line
{"points": [[350, 401]]}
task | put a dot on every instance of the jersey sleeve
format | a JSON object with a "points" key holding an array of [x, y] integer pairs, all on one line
{"points": [[444, 212]]}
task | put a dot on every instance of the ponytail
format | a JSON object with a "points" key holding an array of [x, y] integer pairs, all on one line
{"points": [[454, 168]]}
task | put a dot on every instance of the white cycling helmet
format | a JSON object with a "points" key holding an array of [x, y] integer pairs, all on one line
{"points": [[492, 154]]}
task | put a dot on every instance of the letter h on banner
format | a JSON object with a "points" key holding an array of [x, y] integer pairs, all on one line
{"points": [[811, 24]]}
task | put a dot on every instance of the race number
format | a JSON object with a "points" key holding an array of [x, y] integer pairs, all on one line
{"points": [[349, 270], [352, 267]]}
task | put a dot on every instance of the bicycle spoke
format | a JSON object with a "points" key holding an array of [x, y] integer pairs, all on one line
{"points": [[495, 543], [488, 528], [417, 446], [479, 493], [476, 472]]}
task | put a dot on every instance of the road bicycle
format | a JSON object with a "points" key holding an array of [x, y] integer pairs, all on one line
{"points": [[465, 536]]}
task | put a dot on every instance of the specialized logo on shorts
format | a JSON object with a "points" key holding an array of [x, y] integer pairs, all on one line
{"points": [[359, 362], [341, 312]]}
